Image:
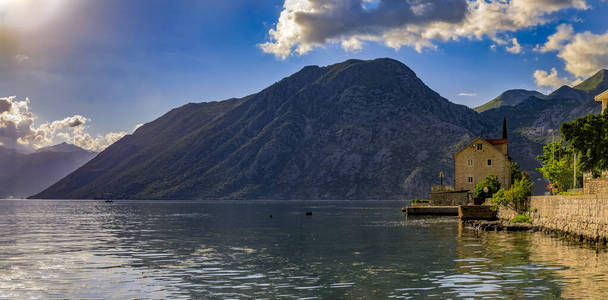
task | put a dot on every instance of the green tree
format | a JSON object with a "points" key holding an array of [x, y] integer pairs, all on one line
{"points": [[557, 165], [588, 136], [515, 172], [515, 197], [491, 181]]}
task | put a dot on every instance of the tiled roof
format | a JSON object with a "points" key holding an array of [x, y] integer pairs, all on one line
{"points": [[497, 141], [603, 96]]}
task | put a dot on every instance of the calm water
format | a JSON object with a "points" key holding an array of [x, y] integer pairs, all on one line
{"points": [[150, 249]]}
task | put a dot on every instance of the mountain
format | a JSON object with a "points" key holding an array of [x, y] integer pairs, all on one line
{"points": [[509, 98], [353, 130], [23, 174], [595, 84], [63, 147], [535, 118]]}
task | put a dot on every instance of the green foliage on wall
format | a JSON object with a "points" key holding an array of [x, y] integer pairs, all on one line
{"points": [[557, 165], [491, 182], [588, 136], [515, 197]]}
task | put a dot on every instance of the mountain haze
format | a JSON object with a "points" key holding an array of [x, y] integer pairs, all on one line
{"points": [[22, 174]]}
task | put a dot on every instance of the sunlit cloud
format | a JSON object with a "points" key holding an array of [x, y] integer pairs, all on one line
{"points": [[467, 94], [18, 129], [306, 24], [543, 79]]}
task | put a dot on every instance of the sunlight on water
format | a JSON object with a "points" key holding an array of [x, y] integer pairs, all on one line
{"points": [[91, 249]]}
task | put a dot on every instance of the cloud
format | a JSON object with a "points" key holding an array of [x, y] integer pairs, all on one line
{"points": [[543, 78], [21, 58], [306, 24], [585, 54], [467, 94], [515, 47], [18, 129], [557, 40]]}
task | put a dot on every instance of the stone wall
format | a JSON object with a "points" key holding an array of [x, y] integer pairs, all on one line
{"points": [[593, 186], [453, 198], [476, 212], [584, 216]]}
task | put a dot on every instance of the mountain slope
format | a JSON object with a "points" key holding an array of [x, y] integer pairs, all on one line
{"points": [[353, 130], [509, 98], [534, 119], [22, 174]]}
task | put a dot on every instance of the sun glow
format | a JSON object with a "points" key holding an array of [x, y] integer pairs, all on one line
{"points": [[27, 14]]}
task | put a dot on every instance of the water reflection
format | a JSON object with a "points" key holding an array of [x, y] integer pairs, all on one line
{"points": [[88, 249]]}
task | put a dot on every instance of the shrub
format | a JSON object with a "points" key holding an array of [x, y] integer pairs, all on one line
{"points": [[420, 201], [491, 182], [521, 219], [515, 197]]}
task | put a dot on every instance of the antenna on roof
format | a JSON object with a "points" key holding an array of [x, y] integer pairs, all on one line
{"points": [[504, 128]]}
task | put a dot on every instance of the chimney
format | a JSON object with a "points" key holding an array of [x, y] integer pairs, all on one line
{"points": [[504, 128]]}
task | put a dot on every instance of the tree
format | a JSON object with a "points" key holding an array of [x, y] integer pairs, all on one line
{"points": [[588, 136], [515, 197], [557, 166], [515, 172], [491, 182]]}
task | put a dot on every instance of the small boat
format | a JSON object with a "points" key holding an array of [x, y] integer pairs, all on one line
{"points": [[109, 201]]}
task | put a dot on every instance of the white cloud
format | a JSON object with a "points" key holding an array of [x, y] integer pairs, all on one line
{"points": [[21, 58], [467, 94], [552, 79], [306, 24], [557, 40], [515, 47], [18, 129], [585, 54]]}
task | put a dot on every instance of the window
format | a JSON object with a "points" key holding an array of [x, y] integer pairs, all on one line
{"points": [[470, 179], [489, 162], [470, 162], [479, 146]]}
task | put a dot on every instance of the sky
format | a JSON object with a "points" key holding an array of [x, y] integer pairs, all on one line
{"points": [[89, 72]]}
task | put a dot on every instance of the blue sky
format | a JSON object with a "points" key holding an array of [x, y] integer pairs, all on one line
{"points": [[117, 63]]}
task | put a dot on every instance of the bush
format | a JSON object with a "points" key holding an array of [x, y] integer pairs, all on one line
{"points": [[420, 201], [521, 219], [515, 197], [491, 182]]}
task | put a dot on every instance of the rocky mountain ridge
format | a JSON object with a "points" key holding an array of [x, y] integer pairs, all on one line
{"points": [[353, 130]]}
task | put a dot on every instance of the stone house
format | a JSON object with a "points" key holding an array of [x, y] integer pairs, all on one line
{"points": [[480, 158], [603, 97]]}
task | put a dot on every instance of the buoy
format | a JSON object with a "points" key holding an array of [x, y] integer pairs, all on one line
{"points": [[270, 216]]}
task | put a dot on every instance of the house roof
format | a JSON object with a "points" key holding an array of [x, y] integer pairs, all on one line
{"points": [[492, 142], [602, 97], [497, 141]]}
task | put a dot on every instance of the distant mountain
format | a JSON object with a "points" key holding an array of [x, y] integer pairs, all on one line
{"points": [[63, 147], [22, 174], [535, 118], [595, 84], [509, 98], [353, 130]]}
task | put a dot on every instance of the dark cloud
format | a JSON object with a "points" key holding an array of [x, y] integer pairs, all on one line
{"points": [[350, 17], [5, 105]]}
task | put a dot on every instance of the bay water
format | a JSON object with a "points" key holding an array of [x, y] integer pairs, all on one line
{"points": [[272, 249]]}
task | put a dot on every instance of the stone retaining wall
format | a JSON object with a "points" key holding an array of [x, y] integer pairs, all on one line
{"points": [[594, 186], [584, 216], [452, 198]]}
